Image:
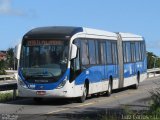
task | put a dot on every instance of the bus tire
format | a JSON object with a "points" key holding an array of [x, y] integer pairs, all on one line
{"points": [[109, 91], [137, 84], [84, 95]]}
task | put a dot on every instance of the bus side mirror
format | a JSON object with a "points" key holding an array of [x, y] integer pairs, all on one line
{"points": [[73, 51], [17, 51]]}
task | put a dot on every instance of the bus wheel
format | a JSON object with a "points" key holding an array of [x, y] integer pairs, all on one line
{"points": [[109, 91], [137, 84], [37, 100], [84, 96]]}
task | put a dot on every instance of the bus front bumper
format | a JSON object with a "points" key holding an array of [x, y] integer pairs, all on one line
{"points": [[65, 92], [56, 93]]}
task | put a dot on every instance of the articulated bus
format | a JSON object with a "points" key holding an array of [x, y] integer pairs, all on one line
{"points": [[74, 62]]}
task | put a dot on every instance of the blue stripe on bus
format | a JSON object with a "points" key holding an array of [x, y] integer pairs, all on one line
{"points": [[95, 74], [131, 69]]}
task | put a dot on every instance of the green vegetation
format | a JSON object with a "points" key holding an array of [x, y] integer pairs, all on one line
{"points": [[10, 58], [8, 63], [2, 67], [155, 103], [152, 60], [7, 96]]}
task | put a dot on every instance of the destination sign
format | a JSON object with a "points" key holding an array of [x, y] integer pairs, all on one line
{"points": [[44, 42]]}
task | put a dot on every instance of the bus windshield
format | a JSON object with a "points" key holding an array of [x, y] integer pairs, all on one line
{"points": [[44, 60]]}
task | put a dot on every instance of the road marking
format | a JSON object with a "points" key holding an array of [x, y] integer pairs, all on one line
{"points": [[58, 111], [87, 104]]}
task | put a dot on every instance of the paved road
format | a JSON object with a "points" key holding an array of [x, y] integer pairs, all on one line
{"points": [[27, 109]]}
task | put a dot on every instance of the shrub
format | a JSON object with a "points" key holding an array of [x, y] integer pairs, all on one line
{"points": [[155, 105], [6, 96]]}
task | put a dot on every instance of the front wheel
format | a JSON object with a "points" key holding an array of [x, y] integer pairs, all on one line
{"points": [[84, 95]]}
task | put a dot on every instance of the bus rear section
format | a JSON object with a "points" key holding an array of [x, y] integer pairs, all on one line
{"points": [[134, 60]]}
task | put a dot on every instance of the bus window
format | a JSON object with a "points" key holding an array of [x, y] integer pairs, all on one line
{"points": [[128, 52], [102, 53], [97, 52], [84, 52], [133, 52], [142, 50], [124, 53], [92, 52], [77, 59], [137, 51], [114, 52], [109, 53]]}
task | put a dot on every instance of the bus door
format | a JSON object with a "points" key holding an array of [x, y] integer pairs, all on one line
{"points": [[111, 59]]}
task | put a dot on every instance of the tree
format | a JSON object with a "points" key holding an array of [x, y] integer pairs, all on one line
{"points": [[2, 67], [151, 60], [10, 58]]}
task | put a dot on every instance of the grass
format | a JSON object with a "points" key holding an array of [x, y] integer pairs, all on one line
{"points": [[155, 103], [7, 96]]}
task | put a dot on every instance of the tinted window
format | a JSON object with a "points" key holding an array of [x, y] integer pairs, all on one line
{"points": [[142, 50], [128, 51], [124, 53], [102, 53], [109, 52], [137, 51], [97, 52], [133, 52], [92, 52], [84, 52], [76, 62], [114, 52]]}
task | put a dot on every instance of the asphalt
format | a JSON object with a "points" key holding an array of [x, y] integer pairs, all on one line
{"points": [[92, 108]]}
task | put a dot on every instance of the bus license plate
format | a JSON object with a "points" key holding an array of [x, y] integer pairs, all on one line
{"points": [[41, 92]]}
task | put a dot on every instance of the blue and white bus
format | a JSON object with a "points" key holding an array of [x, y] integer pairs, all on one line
{"points": [[74, 62]]}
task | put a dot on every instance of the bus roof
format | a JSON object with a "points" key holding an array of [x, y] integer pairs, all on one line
{"points": [[54, 31], [99, 32], [66, 32], [130, 36]]}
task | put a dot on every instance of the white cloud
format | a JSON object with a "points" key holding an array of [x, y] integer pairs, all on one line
{"points": [[7, 9]]}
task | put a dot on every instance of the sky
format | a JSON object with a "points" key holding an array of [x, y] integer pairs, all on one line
{"points": [[140, 17]]}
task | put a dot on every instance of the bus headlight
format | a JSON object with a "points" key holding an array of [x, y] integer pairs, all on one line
{"points": [[61, 85], [21, 83]]}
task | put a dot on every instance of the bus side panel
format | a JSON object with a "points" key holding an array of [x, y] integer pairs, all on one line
{"points": [[129, 74], [96, 77], [131, 71], [112, 72]]}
